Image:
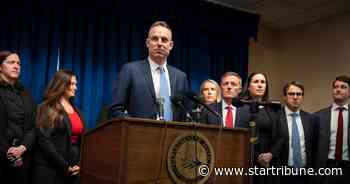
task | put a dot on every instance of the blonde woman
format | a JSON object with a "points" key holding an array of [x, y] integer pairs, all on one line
{"points": [[210, 92]]}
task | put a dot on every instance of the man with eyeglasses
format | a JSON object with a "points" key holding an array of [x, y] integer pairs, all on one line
{"points": [[300, 131], [334, 139]]}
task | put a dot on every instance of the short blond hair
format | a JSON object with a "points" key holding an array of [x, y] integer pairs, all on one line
{"points": [[217, 88]]}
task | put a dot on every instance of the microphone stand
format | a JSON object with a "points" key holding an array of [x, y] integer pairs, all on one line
{"points": [[160, 108], [254, 110], [193, 157]]}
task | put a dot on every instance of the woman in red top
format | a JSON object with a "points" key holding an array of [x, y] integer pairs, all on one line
{"points": [[59, 128]]}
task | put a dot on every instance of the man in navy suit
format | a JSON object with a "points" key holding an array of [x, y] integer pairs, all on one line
{"points": [[334, 139], [140, 84], [299, 129], [231, 86]]}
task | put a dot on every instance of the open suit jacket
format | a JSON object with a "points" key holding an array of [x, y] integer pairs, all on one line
{"points": [[134, 95], [324, 116], [209, 118], [55, 153], [310, 126]]}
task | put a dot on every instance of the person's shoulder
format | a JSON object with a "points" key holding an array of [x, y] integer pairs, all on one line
{"points": [[214, 105], [307, 114], [175, 70], [322, 111], [134, 63]]}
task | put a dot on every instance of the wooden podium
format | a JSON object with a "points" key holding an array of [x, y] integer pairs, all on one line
{"points": [[133, 150]]}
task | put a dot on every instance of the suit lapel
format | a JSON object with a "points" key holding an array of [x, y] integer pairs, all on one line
{"points": [[237, 119], [348, 129], [219, 110], [172, 79], [306, 124], [285, 132], [284, 124], [148, 77], [328, 123], [67, 122]]}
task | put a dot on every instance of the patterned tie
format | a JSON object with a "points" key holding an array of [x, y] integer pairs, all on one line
{"points": [[229, 117], [339, 140], [164, 92], [296, 142]]}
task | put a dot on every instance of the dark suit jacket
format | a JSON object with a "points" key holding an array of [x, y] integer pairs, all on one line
{"points": [[134, 91], [55, 152], [29, 124], [310, 126], [207, 117], [324, 117]]}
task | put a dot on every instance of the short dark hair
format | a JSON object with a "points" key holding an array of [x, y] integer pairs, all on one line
{"points": [[292, 83], [229, 73], [342, 78]]}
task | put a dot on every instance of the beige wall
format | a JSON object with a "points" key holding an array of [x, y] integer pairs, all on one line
{"points": [[312, 54]]}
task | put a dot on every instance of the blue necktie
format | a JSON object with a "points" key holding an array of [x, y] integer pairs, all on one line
{"points": [[164, 92], [296, 142]]}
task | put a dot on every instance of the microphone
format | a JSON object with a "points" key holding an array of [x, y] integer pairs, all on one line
{"points": [[179, 102], [274, 104], [195, 98], [160, 108]]}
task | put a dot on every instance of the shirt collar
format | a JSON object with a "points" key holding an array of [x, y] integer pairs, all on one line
{"points": [[336, 106], [289, 112], [154, 65], [224, 105]]}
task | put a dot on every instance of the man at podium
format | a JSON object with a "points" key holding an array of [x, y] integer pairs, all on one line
{"points": [[144, 87]]}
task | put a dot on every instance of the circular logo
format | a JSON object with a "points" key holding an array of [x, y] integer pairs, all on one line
{"points": [[190, 159]]}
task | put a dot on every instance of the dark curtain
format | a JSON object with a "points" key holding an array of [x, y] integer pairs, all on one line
{"points": [[94, 39]]}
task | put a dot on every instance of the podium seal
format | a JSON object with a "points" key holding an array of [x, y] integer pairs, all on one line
{"points": [[190, 159]]}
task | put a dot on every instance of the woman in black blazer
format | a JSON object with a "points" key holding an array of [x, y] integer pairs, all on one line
{"points": [[270, 140], [17, 122], [59, 127]]}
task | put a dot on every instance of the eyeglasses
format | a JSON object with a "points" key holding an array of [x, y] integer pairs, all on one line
{"points": [[293, 94]]}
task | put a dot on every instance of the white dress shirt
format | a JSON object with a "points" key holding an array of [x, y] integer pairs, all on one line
{"points": [[301, 136], [156, 75], [333, 129]]}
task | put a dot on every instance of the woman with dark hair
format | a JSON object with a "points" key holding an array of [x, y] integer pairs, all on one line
{"points": [[17, 115], [269, 140], [256, 88], [59, 128]]}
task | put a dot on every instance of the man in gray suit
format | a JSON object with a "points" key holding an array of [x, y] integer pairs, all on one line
{"points": [[140, 84], [334, 139]]}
